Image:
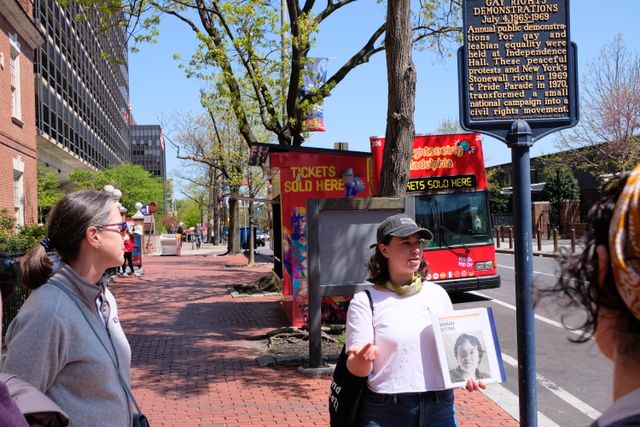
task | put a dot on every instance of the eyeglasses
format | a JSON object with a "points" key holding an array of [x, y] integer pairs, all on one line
{"points": [[122, 227]]}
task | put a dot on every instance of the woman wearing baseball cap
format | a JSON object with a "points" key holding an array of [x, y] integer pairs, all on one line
{"points": [[393, 345], [603, 281]]}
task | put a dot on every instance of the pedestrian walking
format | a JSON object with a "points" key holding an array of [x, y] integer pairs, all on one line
{"points": [[128, 252], [197, 236], [67, 340], [393, 345], [603, 281], [180, 238]]}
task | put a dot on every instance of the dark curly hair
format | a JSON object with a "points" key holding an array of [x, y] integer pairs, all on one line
{"points": [[379, 266], [578, 287]]}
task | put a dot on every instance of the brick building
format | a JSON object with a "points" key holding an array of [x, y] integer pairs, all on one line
{"points": [[18, 171]]}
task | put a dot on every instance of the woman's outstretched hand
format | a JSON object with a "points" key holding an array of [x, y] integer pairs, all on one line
{"points": [[360, 361], [474, 385]]}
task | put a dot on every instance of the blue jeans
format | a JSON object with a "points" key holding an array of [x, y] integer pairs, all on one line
{"points": [[428, 409]]}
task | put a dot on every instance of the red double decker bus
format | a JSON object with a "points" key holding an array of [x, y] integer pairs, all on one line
{"points": [[447, 193]]}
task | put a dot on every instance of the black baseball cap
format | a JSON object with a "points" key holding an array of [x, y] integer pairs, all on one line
{"points": [[400, 225]]}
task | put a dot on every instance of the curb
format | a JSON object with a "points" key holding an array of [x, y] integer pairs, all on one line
{"points": [[535, 253], [301, 362], [236, 294], [313, 372]]}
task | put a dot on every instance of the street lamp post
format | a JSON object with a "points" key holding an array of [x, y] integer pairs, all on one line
{"points": [[115, 195]]}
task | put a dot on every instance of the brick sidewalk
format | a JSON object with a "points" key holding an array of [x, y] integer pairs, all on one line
{"points": [[194, 359]]}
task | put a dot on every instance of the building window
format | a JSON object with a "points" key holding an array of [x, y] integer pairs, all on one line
{"points": [[18, 190], [14, 69]]}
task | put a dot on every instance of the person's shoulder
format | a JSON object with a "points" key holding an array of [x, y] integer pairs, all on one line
{"points": [[361, 299], [44, 294], [433, 288], [436, 295], [362, 295], [42, 310]]}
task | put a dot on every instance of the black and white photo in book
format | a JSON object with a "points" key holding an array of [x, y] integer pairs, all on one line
{"points": [[468, 347], [466, 352]]}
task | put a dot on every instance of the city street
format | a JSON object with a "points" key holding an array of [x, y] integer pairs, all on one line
{"points": [[195, 347], [574, 380]]}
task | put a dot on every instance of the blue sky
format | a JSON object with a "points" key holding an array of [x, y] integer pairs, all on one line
{"points": [[357, 107]]}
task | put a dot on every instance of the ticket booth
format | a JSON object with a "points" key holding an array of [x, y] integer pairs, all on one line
{"points": [[298, 174]]}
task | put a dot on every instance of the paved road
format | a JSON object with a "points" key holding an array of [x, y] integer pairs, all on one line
{"points": [[574, 380]]}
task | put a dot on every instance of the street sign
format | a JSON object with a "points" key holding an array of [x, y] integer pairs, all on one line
{"points": [[144, 210], [518, 83], [517, 63]]}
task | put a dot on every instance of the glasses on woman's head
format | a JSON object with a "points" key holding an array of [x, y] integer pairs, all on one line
{"points": [[121, 227]]}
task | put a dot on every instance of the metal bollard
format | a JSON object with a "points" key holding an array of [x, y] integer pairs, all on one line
{"points": [[510, 232], [555, 240], [497, 237], [573, 240], [539, 238], [502, 232]]}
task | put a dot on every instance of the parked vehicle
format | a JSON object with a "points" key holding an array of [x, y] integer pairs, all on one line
{"points": [[448, 194]]}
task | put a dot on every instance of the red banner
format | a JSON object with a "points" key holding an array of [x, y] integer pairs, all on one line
{"points": [[455, 155]]}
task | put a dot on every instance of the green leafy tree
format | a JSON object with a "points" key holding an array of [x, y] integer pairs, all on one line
{"points": [[136, 184], [246, 44], [560, 184], [190, 213], [499, 203], [607, 139], [49, 192], [216, 159], [260, 60], [449, 125]]}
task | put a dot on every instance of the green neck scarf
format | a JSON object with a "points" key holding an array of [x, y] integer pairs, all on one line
{"points": [[404, 290]]}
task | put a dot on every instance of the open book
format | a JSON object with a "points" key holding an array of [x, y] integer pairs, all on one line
{"points": [[468, 346]]}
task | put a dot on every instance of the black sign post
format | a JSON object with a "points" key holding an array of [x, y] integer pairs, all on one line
{"points": [[518, 83]]}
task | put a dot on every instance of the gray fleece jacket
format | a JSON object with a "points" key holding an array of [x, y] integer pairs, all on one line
{"points": [[50, 345]]}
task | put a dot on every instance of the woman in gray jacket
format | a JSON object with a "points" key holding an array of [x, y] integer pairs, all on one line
{"points": [[50, 343]]}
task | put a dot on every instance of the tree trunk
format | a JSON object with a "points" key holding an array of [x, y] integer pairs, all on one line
{"points": [[401, 78], [219, 214], [212, 203], [251, 241], [233, 242]]}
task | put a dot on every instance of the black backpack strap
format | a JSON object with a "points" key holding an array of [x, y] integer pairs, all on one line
{"points": [[370, 300]]}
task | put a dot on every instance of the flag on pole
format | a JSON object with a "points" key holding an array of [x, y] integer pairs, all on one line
{"points": [[313, 77]]}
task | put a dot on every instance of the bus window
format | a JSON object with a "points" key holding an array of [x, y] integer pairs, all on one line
{"points": [[455, 219]]}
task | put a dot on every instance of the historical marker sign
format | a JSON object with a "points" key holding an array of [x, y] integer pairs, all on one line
{"points": [[517, 62]]}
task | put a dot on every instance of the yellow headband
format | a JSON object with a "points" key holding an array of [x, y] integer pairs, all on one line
{"points": [[624, 243]]}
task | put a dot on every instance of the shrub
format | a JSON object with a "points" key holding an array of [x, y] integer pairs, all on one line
{"points": [[18, 240]]}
